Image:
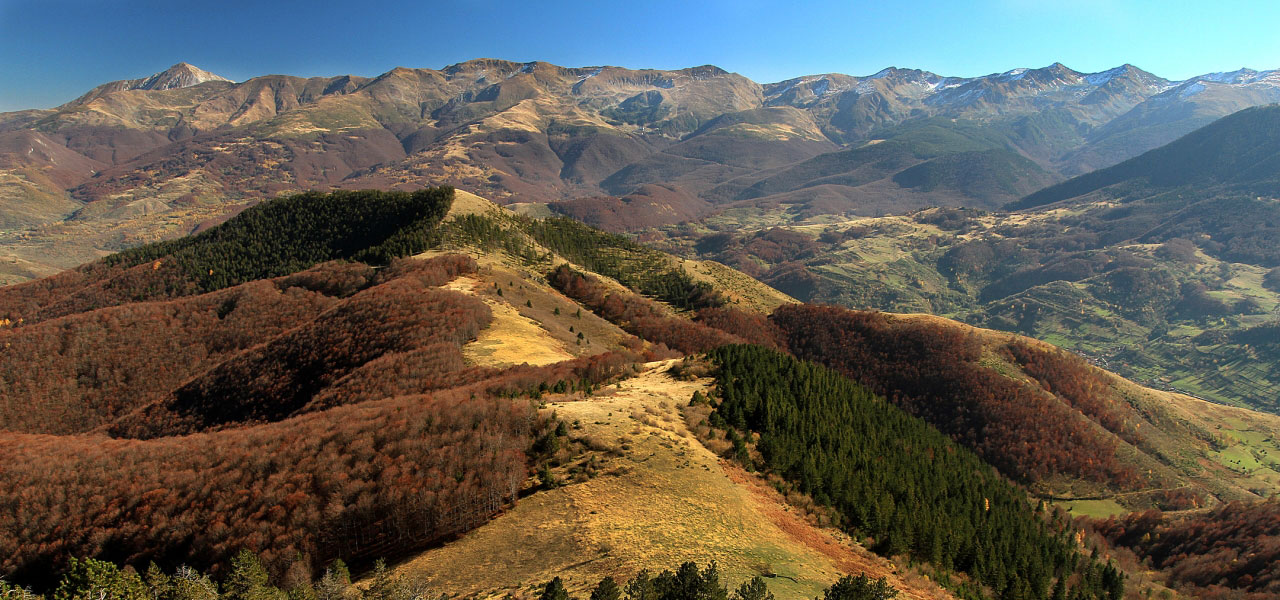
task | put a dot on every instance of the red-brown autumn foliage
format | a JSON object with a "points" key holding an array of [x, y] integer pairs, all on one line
{"points": [[326, 414], [402, 315], [357, 481], [1232, 551], [77, 372], [933, 371], [262, 343], [754, 327], [1080, 384], [92, 286], [639, 315]]}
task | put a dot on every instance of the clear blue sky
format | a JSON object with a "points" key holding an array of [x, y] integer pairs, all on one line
{"points": [[53, 50]]}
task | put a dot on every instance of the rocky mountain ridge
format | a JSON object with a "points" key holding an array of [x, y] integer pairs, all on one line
{"points": [[153, 158], [180, 75]]}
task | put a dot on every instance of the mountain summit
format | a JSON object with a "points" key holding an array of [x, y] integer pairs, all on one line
{"points": [[180, 75], [620, 148]]}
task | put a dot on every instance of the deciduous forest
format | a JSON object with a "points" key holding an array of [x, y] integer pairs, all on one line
{"points": [[291, 385]]}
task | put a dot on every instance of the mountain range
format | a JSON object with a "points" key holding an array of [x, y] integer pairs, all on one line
{"points": [[155, 157], [439, 381], [1163, 267]]}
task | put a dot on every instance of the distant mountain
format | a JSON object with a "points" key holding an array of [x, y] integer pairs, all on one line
{"points": [[1241, 149], [180, 75], [155, 157], [1165, 267]]}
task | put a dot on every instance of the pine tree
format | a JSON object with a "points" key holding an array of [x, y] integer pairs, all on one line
{"points": [[756, 589], [1059, 589], [335, 583], [190, 584], [383, 584], [641, 587], [91, 579], [554, 590], [860, 588], [249, 579], [12, 592], [607, 589]]}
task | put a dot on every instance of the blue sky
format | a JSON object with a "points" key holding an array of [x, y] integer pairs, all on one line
{"points": [[53, 50]]}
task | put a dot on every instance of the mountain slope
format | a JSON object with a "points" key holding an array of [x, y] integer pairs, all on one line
{"points": [[1241, 149], [156, 157], [683, 501], [412, 402], [414, 368], [1162, 268]]}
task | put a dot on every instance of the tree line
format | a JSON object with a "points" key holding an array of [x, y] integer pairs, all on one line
{"points": [[248, 579]]}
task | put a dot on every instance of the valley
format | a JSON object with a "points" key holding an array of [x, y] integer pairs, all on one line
{"points": [[1009, 336]]}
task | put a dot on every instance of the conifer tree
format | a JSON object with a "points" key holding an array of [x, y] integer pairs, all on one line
{"points": [[554, 590], [607, 589], [249, 579], [190, 584], [756, 589], [860, 588], [91, 579]]}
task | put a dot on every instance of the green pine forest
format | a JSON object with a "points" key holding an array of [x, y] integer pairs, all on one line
{"points": [[896, 480]]}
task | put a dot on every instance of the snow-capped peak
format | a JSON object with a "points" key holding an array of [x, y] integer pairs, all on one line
{"points": [[1104, 77]]}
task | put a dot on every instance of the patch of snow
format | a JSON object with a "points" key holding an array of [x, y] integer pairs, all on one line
{"points": [[882, 73], [1191, 90], [1013, 75], [971, 95], [791, 85], [591, 74], [1104, 77], [1271, 77], [821, 86], [947, 83], [1237, 76], [958, 95]]}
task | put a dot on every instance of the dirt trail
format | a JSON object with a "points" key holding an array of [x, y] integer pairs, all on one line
{"points": [[661, 499]]}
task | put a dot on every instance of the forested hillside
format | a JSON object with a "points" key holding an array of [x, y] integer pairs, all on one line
{"points": [[897, 480], [188, 400], [1229, 552], [248, 578], [275, 238], [243, 389]]}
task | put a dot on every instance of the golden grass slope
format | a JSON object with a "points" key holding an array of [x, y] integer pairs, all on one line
{"points": [[660, 499], [741, 289]]}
